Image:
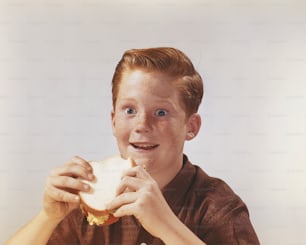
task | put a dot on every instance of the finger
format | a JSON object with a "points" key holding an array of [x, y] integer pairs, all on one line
{"points": [[130, 184], [65, 182], [61, 195], [80, 161], [137, 171], [125, 210], [74, 170], [122, 199]]}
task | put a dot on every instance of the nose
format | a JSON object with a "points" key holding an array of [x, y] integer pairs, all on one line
{"points": [[143, 123]]}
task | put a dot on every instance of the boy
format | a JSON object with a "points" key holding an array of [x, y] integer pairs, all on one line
{"points": [[156, 95]]}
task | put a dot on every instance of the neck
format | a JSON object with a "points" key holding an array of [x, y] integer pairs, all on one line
{"points": [[164, 176]]}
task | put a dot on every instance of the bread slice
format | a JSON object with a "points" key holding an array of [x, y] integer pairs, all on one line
{"points": [[108, 174]]}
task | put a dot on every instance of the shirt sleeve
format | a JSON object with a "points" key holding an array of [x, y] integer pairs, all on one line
{"points": [[65, 233]]}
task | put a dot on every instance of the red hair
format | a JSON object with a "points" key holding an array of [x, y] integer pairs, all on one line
{"points": [[169, 61]]}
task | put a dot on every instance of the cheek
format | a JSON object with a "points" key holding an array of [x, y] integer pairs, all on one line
{"points": [[121, 128], [177, 132], [172, 131]]}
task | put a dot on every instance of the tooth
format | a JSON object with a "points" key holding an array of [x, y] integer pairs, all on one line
{"points": [[145, 145]]}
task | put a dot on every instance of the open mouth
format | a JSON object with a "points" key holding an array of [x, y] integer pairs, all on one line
{"points": [[144, 146]]}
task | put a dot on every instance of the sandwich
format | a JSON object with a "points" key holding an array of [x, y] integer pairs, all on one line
{"points": [[103, 189]]}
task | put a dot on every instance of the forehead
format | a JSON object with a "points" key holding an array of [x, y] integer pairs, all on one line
{"points": [[153, 83]]}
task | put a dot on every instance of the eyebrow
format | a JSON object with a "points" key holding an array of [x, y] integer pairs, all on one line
{"points": [[160, 103]]}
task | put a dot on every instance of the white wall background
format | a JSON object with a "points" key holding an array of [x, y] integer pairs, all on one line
{"points": [[56, 62]]}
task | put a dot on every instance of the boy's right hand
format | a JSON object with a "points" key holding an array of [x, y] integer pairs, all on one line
{"points": [[63, 185]]}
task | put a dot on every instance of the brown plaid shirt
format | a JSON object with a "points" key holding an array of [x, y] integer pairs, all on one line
{"points": [[206, 205]]}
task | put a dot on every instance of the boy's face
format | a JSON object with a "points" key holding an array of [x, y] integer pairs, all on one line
{"points": [[149, 122]]}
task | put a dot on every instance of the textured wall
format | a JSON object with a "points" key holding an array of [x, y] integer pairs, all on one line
{"points": [[56, 61]]}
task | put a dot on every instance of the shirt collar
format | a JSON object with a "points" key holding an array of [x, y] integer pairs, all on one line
{"points": [[177, 188]]}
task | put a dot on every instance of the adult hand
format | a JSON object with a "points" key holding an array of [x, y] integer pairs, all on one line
{"points": [[63, 185], [138, 194]]}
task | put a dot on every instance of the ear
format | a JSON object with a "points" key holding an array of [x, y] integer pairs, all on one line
{"points": [[113, 122], [193, 126]]}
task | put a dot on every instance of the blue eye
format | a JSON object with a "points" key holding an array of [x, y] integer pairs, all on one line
{"points": [[129, 111], [161, 113]]}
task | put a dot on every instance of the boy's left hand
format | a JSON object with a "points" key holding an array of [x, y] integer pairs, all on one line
{"points": [[138, 194]]}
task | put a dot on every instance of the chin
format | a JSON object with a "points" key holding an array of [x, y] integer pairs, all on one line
{"points": [[145, 161]]}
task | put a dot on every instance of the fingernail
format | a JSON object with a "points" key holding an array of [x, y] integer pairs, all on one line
{"points": [[91, 176]]}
